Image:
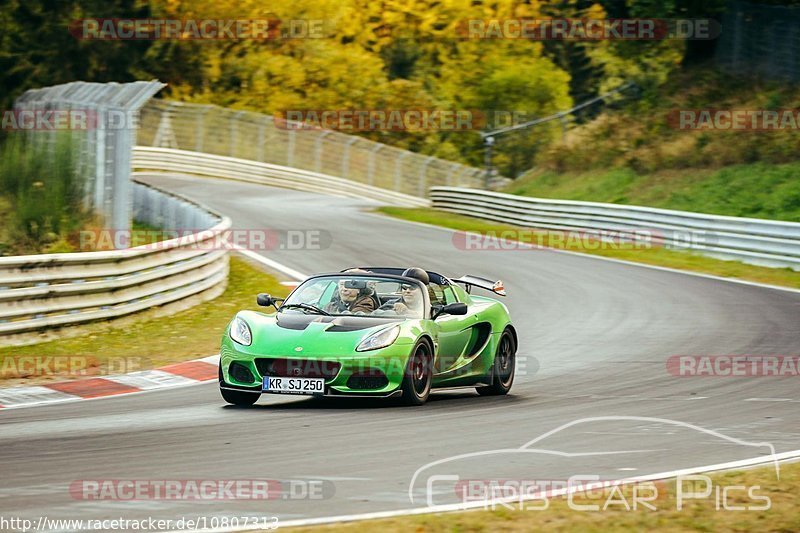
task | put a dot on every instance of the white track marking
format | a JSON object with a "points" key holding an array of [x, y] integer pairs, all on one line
{"points": [[283, 269], [770, 400]]}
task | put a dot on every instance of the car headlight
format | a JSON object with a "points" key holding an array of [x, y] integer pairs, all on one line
{"points": [[380, 339], [240, 332]]}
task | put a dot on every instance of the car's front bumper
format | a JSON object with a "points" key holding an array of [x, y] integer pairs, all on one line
{"points": [[360, 374]]}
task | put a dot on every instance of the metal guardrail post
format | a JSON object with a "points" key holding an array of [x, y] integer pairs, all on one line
{"points": [[423, 176], [120, 194], [398, 171], [346, 157], [318, 150], [262, 138], [200, 128], [234, 133], [165, 135], [450, 171], [488, 142], [290, 148], [100, 163], [371, 164]]}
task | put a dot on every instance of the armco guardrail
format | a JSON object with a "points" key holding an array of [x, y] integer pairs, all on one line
{"points": [[756, 241], [149, 159], [39, 292]]}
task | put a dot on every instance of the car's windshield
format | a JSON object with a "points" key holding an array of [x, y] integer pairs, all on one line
{"points": [[357, 295]]}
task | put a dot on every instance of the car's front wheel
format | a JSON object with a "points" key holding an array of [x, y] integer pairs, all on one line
{"points": [[418, 375], [236, 397], [503, 368]]}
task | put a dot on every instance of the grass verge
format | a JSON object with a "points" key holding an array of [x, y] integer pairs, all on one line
{"points": [[146, 342], [695, 515], [758, 190], [654, 256]]}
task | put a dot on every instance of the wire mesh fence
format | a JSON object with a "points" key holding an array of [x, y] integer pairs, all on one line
{"points": [[520, 154], [762, 40], [101, 120], [258, 137]]}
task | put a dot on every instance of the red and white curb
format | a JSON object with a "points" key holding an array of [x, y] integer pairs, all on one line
{"points": [[175, 375]]}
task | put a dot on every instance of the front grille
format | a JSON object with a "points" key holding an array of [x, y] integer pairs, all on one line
{"points": [[298, 368], [240, 373], [372, 379]]}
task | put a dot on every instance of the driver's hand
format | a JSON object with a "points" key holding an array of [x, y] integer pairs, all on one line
{"points": [[400, 308]]}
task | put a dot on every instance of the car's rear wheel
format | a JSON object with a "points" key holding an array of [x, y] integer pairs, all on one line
{"points": [[418, 375], [503, 368], [236, 397]]}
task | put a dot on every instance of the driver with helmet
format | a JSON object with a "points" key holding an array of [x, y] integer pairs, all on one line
{"points": [[411, 297], [411, 301]]}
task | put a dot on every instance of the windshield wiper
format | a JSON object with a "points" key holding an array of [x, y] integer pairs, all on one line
{"points": [[307, 307]]}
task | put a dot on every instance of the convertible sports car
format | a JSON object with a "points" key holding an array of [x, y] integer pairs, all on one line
{"points": [[371, 332]]}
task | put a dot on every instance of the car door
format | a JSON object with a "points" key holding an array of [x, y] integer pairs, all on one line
{"points": [[454, 332]]}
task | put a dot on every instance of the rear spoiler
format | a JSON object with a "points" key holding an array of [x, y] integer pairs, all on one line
{"points": [[468, 281]]}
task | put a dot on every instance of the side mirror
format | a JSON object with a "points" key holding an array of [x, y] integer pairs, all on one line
{"points": [[265, 300], [455, 308]]}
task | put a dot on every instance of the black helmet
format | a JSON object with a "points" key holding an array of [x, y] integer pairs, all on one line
{"points": [[417, 273]]}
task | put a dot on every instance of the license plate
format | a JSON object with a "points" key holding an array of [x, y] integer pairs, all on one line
{"points": [[294, 385]]}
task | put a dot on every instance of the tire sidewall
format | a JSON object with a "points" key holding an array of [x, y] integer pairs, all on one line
{"points": [[496, 367], [410, 395]]}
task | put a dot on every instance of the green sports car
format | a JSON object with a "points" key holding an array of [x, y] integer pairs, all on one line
{"points": [[371, 332]]}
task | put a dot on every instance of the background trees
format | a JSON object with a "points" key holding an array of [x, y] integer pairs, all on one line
{"points": [[393, 54]]}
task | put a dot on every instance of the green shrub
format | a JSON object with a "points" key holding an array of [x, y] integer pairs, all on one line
{"points": [[42, 192]]}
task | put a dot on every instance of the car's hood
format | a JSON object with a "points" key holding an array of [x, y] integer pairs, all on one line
{"points": [[332, 324], [299, 335]]}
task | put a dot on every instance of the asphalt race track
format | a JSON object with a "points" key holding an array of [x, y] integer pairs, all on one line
{"points": [[594, 340]]}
